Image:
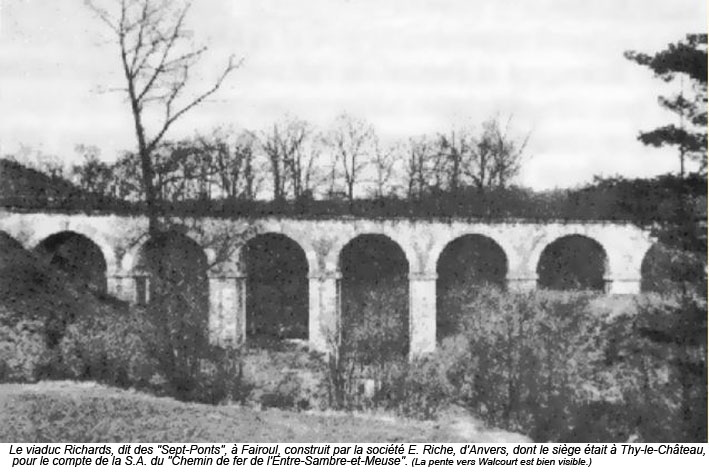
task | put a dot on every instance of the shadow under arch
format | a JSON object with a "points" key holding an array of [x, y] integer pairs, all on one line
{"points": [[573, 262], [665, 269], [276, 289], [464, 267], [175, 270], [78, 257], [375, 296]]}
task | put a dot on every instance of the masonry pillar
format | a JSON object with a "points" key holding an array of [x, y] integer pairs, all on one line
{"points": [[522, 281], [422, 314], [324, 307], [622, 285], [121, 286], [131, 288], [227, 309]]}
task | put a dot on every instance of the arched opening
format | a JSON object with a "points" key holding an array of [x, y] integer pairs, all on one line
{"points": [[375, 297], [276, 289], [664, 269], [573, 262], [466, 265], [77, 257], [175, 269]]}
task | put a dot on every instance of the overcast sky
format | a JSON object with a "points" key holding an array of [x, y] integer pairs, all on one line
{"points": [[408, 67]]}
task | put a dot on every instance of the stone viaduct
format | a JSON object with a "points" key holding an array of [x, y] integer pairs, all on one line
{"points": [[120, 239]]}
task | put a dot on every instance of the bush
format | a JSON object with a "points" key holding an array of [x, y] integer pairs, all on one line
{"points": [[555, 367], [24, 355], [109, 347], [374, 337], [658, 360], [220, 378], [525, 361], [418, 389], [288, 394]]}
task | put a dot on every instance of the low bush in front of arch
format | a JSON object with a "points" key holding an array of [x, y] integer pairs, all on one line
{"points": [[574, 366], [24, 355], [520, 361], [109, 347]]}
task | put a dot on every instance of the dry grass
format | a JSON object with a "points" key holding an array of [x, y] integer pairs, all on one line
{"points": [[88, 412]]}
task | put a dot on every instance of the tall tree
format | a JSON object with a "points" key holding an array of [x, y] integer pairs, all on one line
{"points": [[384, 162], [290, 163], [350, 141], [231, 157], [687, 61], [418, 170], [495, 157], [126, 178], [158, 58], [93, 175], [453, 151]]}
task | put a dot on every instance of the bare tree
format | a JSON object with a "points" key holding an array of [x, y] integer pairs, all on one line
{"points": [[231, 159], [126, 178], [299, 156], [351, 141], [92, 175], [453, 150], [508, 153], [418, 167], [281, 145], [157, 58], [292, 151], [383, 161], [495, 157]]}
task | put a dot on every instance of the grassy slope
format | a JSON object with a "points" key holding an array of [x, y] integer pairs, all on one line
{"points": [[86, 412]]}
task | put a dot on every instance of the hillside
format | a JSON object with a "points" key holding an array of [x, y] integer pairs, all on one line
{"points": [[87, 412], [23, 186], [31, 291]]}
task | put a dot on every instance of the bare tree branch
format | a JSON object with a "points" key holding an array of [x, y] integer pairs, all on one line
{"points": [[157, 58]]}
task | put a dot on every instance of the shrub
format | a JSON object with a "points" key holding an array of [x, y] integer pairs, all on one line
{"points": [[374, 337], [110, 347], [524, 361], [555, 367], [220, 378], [418, 389], [24, 355], [288, 394], [178, 338], [658, 361]]}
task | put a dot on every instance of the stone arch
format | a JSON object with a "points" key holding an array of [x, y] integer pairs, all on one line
{"points": [[441, 244], [375, 295], [655, 269], [334, 259], [573, 262], [488, 256], [464, 266], [304, 244], [276, 268], [77, 256], [664, 269], [172, 265], [87, 231]]}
